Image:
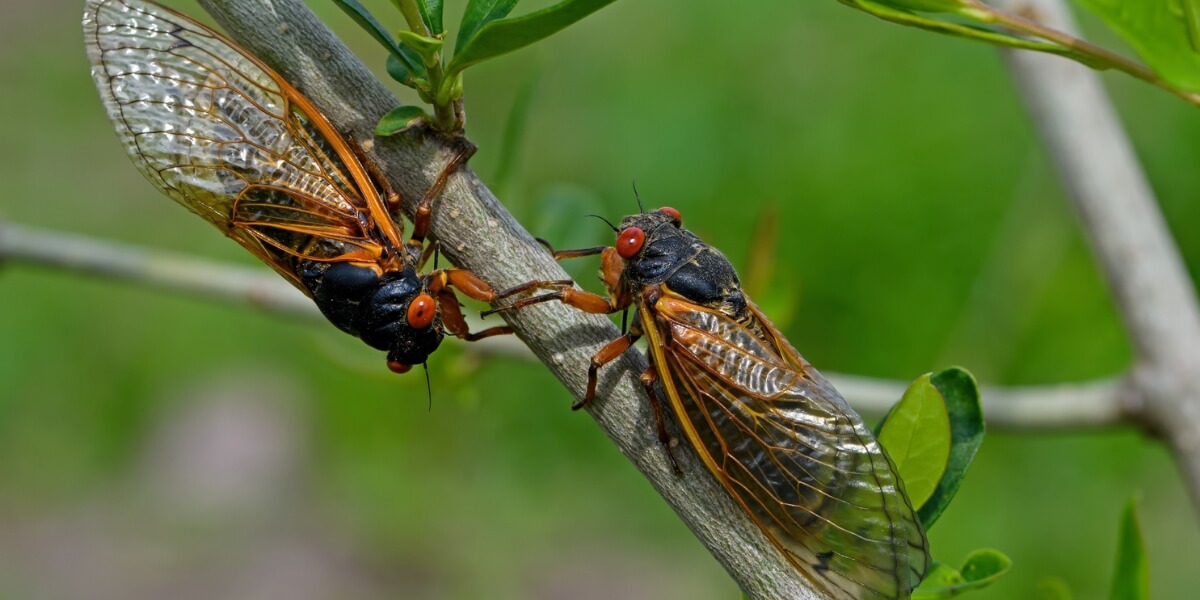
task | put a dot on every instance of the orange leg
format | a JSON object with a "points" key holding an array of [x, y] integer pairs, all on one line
{"points": [[440, 284], [530, 285], [456, 324], [561, 254], [585, 301], [424, 210], [648, 377], [610, 352]]}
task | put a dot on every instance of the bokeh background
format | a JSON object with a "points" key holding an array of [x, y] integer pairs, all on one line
{"points": [[883, 184]]}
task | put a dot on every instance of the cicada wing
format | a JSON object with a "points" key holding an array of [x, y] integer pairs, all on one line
{"points": [[793, 453], [223, 135]]}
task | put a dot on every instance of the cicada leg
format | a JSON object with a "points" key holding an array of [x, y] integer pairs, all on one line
{"points": [[424, 212], [577, 253], [648, 377], [585, 301], [610, 352], [390, 196], [440, 284]]}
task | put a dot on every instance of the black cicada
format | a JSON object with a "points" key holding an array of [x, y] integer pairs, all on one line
{"points": [[773, 431], [218, 131]]}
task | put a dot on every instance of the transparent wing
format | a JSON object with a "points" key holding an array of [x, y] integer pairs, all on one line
{"points": [[792, 452], [219, 132]]}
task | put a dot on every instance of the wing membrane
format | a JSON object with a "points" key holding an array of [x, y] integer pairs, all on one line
{"points": [[223, 135], [791, 451]]}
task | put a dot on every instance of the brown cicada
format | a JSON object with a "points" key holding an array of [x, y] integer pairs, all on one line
{"points": [[218, 131], [771, 429]]}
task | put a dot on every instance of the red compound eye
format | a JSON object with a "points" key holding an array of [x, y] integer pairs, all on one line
{"points": [[630, 241], [398, 367], [674, 214], [421, 311]]}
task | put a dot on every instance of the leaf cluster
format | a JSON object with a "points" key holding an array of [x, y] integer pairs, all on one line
{"points": [[417, 56]]}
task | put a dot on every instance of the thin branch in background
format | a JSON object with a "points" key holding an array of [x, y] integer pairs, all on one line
{"points": [[160, 268], [1054, 407], [1127, 232]]}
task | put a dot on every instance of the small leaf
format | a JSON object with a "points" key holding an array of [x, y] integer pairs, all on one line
{"points": [[425, 46], [941, 575], [916, 435], [1131, 578], [979, 570], [985, 566], [505, 35], [957, 387], [399, 120], [431, 15], [1053, 588], [1162, 32], [477, 14], [410, 61]]}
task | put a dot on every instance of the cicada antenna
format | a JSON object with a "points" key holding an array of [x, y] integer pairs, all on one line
{"points": [[428, 388], [641, 209], [606, 221]]}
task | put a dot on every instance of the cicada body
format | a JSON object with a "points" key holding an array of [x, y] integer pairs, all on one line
{"points": [[219, 132], [770, 428]]}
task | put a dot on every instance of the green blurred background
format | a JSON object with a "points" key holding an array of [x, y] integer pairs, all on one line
{"points": [[152, 444]]}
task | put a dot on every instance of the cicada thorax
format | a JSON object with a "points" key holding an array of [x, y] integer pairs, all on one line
{"points": [[673, 260]]}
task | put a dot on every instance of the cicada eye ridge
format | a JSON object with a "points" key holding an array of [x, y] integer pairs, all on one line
{"points": [[630, 241]]}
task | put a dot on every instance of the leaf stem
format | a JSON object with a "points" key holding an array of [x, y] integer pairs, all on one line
{"points": [[1104, 58], [448, 110]]}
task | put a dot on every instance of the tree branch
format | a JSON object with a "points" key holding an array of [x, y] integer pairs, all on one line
{"points": [[477, 233], [1128, 235]]}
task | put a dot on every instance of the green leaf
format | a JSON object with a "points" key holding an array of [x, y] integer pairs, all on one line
{"points": [[427, 47], [957, 387], [1131, 578], [1053, 588], [941, 575], [408, 63], [985, 566], [477, 14], [399, 120], [431, 15], [916, 434], [980, 569], [1164, 33], [505, 35]]}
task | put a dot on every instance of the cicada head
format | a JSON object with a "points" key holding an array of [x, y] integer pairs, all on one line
{"points": [[402, 317], [658, 250]]}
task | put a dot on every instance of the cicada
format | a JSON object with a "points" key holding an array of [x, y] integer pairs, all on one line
{"points": [[218, 131], [770, 428]]}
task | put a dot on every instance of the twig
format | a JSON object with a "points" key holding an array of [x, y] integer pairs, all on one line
{"points": [[477, 233], [1060, 407], [1127, 233], [160, 268]]}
